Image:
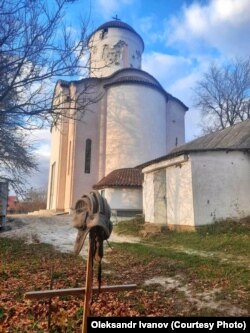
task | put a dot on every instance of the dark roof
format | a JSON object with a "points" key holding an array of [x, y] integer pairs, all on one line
{"points": [[116, 24], [236, 137], [128, 177], [135, 78], [233, 138], [138, 80]]}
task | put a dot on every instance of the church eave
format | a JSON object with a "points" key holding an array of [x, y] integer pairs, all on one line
{"points": [[129, 79], [129, 69], [110, 80], [178, 101], [66, 84], [136, 82]]}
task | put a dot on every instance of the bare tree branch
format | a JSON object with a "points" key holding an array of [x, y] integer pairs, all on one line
{"points": [[223, 95], [36, 49]]}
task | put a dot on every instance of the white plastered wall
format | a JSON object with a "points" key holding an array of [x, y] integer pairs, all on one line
{"points": [[148, 195], [58, 155], [179, 195], [221, 186], [175, 124], [54, 162], [124, 198], [87, 128], [136, 126]]}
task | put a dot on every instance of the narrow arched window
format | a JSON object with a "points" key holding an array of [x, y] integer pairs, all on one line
{"points": [[87, 155]]}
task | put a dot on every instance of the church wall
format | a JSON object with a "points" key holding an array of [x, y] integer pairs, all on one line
{"points": [[53, 175], [62, 166], [82, 182], [69, 163], [220, 185], [56, 184], [102, 136], [124, 198], [119, 48], [175, 124], [58, 153], [136, 126]]}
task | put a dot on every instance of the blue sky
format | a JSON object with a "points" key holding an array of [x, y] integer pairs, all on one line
{"points": [[182, 37]]}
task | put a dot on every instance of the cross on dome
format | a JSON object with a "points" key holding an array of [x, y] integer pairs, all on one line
{"points": [[116, 18]]}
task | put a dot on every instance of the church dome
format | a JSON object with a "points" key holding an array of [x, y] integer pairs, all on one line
{"points": [[113, 46], [116, 24]]}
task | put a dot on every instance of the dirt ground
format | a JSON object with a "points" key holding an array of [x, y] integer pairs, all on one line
{"points": [[59, 232], [55, 230]]}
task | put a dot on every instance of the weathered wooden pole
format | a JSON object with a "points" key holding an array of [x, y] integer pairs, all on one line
{"points": [[93, 217], [79, 292], [88, 284]]}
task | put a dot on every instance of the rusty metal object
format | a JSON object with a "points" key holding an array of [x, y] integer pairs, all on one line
{"points": [[92, 212], [92, 216]]}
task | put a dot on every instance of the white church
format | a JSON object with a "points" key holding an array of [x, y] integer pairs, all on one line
{"points": [[129, 120]]}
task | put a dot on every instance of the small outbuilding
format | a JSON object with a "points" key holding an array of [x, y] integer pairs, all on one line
{"points": [[123, 190], [203, 181]]}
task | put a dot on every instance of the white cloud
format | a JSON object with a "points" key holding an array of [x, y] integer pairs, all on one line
{"points": [[178, 75], [40, 178], [42, 140], [166, 68], [221, 24], [147, 25]]}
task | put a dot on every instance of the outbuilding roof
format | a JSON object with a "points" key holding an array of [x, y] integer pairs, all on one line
{"points": [[127, 177], [236, 137]]}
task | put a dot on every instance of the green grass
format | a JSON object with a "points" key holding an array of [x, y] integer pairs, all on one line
{"points": [[216, 252], [130, 227], [227, 237], [202, 267]]}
